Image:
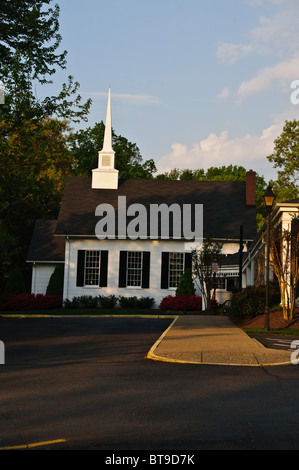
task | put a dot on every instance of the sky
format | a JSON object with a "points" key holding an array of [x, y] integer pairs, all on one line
{"points": [[194, 83]]}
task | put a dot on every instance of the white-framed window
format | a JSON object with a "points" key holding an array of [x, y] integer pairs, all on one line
{"points": [[134, 268], [175, 269], [92, 268]]}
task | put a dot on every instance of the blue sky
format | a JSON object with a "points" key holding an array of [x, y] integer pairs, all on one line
{"points": [[193, 83]]}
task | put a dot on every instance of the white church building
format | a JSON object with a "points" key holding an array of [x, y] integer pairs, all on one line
{"points": [[112, 237]]}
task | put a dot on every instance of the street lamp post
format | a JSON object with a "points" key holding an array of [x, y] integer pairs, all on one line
{"points": [[269, 199]]}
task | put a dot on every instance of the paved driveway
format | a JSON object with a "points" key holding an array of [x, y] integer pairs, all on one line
{"points": [[85, 384]]}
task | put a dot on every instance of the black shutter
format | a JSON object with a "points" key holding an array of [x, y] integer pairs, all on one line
{"points": [[164, 270], [146, 269], [188, 261], [122, 279], [104, 268], [80, 268]]}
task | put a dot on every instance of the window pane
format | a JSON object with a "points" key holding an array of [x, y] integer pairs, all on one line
{"points": [[134, 268], [176, 268], [92, 268]]}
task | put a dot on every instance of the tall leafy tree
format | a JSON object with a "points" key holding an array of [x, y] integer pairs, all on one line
{"points": [[34, 154], [128, 160], [286, 158], [31, 30]]}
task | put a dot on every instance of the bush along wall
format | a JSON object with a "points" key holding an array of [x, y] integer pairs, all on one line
{"points": [[31, 302], [181, 302], [109, 302], [251, 301]]}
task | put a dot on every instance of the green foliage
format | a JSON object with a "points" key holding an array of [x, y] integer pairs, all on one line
{"points": [[31, 29], [127, 302], [108, 301], [128, 160], [89, 301], [71, 303], [286, 158], [55, 285], [251, 301], [186, 284], [145, 302], [15, 283], [35, 158]]}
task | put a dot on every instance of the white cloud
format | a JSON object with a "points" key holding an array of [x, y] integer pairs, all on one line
{"points": [[249, 151], [277, 35], [225, 93], [125, 97], [277, 38], [230, 53], [283, 73]]}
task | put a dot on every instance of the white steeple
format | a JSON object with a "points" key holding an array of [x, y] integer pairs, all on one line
{"points": [[107, 147], [106, 176]]}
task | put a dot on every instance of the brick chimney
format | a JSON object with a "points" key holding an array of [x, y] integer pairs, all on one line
{"points": [[250, 187]]}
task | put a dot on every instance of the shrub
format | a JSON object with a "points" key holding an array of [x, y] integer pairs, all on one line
{"points": [[128, 302], [251, 301], [88, 301], [108, 301], [55, 286], [15, 283], [145, 302], [32, 302], [179, 302], [186, 285], [71, 303]]}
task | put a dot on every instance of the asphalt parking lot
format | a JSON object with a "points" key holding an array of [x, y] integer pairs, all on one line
{"points": [[85, 384], [276, 341]]}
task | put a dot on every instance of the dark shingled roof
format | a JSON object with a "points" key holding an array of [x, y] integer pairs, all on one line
{"points": [[45, 247], [224, 204]]}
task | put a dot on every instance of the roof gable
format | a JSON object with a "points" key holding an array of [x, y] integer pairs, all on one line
{"points": [[44, 246]]}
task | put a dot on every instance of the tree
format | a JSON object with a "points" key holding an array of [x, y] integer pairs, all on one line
{"points": [[29, 40], [15, 283], [186, 284], [203, 260], [286, 157], [32, 31], [34, 154], [34, 163], [284, 259], [87, 143], [55, 285]]}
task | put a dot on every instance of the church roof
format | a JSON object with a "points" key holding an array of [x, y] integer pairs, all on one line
{"points": [[44, 246], [224, 204]]}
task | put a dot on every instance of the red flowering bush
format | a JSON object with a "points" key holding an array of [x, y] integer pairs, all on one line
{"points": [[181, 302], [31, 302]]}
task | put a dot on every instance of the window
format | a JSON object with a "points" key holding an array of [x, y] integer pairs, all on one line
{"points": [[173, 264], [92, 268], [134, 269], [176, 268]]}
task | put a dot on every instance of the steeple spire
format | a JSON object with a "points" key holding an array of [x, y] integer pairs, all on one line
{"points": [[106, 176], [107, 147]]}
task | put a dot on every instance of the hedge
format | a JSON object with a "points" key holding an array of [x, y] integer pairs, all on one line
{"points": [[251, 301], [31, 302], [181, 302]]}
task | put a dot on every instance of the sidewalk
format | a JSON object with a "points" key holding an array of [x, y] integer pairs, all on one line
{"points": [[209, 339]]}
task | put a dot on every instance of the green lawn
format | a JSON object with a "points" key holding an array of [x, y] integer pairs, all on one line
{"points": [[273, 331]]}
